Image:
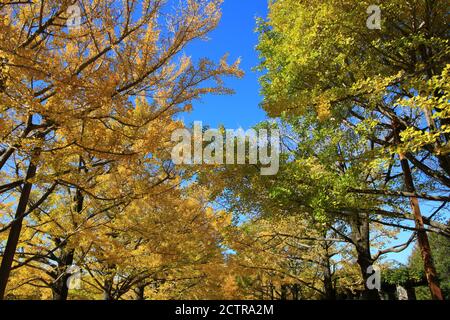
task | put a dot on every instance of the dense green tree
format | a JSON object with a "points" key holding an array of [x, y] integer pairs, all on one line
{"points": [[389, 86]]}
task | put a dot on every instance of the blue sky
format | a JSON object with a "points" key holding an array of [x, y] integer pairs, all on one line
{"points": [[234, 35]]}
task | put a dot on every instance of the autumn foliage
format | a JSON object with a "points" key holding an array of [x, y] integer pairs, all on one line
{"points": [[87, 181]]}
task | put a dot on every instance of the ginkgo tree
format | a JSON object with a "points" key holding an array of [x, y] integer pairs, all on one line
{"points": [[389, 86], [164, 245], [308, 200], [79, 105], [89, 96]]}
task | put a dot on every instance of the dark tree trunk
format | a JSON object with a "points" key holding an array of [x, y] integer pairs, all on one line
{"points": [[361, 239], [107, 290], [139, 292], [295, 292], [108, 283], [60, 289], [330, 293], [271, 291], [283, 292], [329, 289], [16, 227], [411, 293], [364, 263]]}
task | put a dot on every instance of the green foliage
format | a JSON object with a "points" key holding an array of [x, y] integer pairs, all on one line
{"points": [[357, 101], [402, 276], [441, 248]]}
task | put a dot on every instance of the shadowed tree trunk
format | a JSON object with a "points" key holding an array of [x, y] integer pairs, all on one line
{"points": [[139, 292], [60, 289], [283, 292], [361, 239], [295, 291], [107, 290], [329, 289], [16, 227]]}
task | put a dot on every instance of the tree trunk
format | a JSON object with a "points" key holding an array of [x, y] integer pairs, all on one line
{"points": [[107, 290], [330, 293], [108, 283], [295, 291], [271, 291], [411, 293], [422, 237], [60, 290], [364, 263], [283, 292], [329, 289], [16, 227], [361, 239], [139, 292]]}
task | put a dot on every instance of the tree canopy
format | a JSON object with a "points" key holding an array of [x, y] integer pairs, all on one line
{"points": [[92, 206]]}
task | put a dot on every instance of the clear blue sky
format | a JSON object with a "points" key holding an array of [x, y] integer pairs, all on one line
{"points": [[234, 35]]}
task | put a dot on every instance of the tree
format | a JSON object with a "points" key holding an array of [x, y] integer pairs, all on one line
{"points": [[284, 258], [441, 247], [388, 84], [83, 102], [165, 244]]}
